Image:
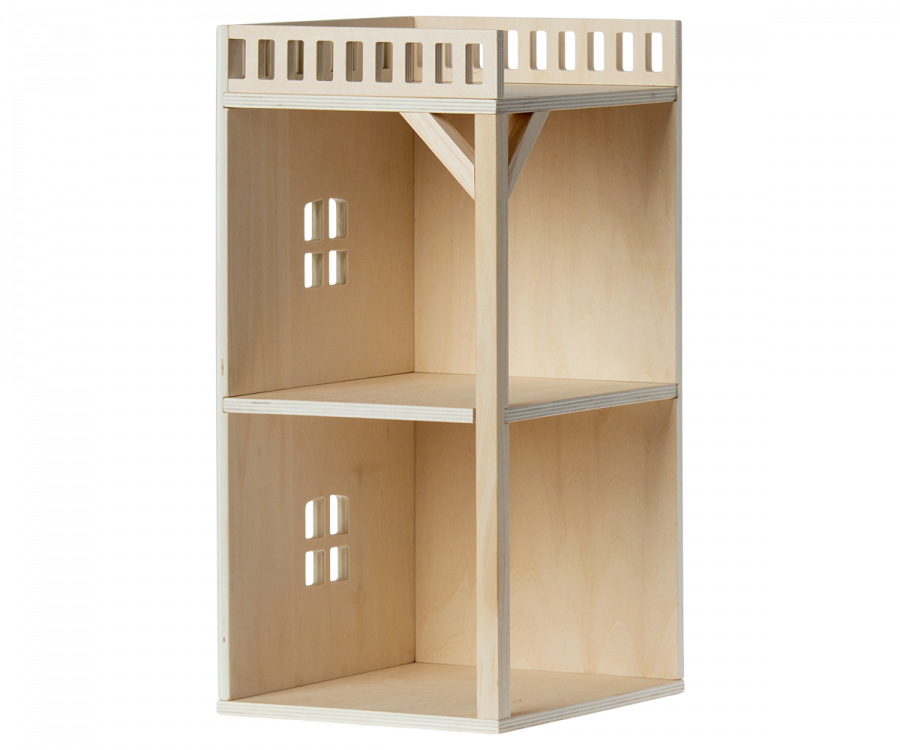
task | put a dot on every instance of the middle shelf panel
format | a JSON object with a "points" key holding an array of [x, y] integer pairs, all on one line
{"points": [[441, 397]]}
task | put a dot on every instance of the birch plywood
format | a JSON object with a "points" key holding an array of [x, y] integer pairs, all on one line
{"points": [[441, 397], [593, 248], [334, 78], [491, 431], [448, 146], [592, 252], [221, 365], [593, 543], [281, 334], [444, 263], [445, 543], [284, 633], [613, 69], [517, 97], [679, 181], [593, 521], [436, 696]]}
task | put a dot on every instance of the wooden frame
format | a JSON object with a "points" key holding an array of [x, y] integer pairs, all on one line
{"points": [[486, 383]]}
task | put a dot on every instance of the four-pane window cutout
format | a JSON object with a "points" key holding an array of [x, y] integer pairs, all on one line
{"points": [[313, 230], [338, 555]]}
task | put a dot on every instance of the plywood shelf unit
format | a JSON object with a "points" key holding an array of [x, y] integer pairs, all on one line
{"points": [[449, 370]]}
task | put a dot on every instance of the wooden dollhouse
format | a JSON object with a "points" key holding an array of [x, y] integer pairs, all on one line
{"points": [[449, 369]]}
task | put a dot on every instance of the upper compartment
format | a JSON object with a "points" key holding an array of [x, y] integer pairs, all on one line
{"points": [[473, 59]]}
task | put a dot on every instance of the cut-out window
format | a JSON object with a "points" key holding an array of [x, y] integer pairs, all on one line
{"points": [[539, 50], [337, 218], [237, 53], [315, 567], [595, 50], [567, 50], [625, 51], [337, 267], [653, 45], [413, 62], [312, 270], [312, 221], [512, 49], [266, 59], [384, 63], [324, 61], [339, 514], [354, 65], [315, 515], [443, 63], [474, 63], [295, 60], [338, 563]]}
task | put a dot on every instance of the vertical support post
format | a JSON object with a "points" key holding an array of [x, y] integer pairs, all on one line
{"points": [[679, 177], [491, 431], [223, 640]]}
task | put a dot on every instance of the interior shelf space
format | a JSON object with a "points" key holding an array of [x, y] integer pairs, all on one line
{"points": [[442, 696], [443, 397]]}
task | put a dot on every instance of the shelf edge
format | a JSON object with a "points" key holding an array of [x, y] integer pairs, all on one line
{"points": [[582, 709], [349, 410], [350, 716], [589, 403], [657, 95]]}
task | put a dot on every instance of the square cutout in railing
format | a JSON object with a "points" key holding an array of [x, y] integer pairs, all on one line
{"points": [[237, 55], [384, 62], [414, 62], [474, 63], [443, 63], [295, 60], [354, 66], [596, 50], [266, 59], [625, 52], [324, 61], [567, 50]]}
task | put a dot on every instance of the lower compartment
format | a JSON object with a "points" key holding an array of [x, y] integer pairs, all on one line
{"points": [[383, 619], [441, 696]]}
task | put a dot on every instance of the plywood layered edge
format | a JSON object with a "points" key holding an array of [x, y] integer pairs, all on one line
{"points": [[679, 177], [221, 366], [636, 395], [440, 397], [492, 624], [533, 98], [444, 699]]}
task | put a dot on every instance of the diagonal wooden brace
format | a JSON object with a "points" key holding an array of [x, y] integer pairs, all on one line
{"points": [[447, 144], [524, 130]]}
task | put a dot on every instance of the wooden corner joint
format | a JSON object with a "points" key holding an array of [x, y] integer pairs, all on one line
{"points": [[524, 129], [448, 145]]}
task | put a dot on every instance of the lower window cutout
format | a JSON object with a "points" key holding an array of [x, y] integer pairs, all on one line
{"points": [[337, 566], [337, 267], [315, 567]]}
